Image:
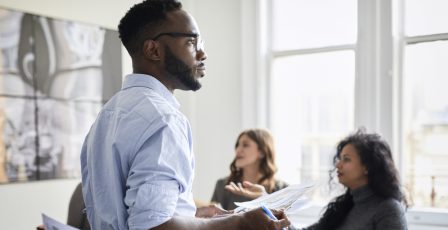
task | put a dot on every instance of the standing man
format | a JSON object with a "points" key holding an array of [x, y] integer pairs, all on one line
{"points": [[137, 160]]}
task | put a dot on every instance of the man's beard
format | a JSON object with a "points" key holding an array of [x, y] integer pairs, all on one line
{"points": [[180, 70]]}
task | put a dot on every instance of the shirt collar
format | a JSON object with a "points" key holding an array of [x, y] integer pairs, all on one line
{"points": [[148, 81]]}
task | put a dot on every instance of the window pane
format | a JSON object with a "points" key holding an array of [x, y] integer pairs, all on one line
{"points": [[425, 116], [426, 17], [311, 109], [301, 24]]}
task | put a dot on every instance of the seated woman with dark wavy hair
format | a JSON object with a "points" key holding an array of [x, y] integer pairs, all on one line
{"points": [[373, 198]]}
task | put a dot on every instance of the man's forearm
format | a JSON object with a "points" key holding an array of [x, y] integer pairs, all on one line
{"points": [[190, 223], [252, 220]]}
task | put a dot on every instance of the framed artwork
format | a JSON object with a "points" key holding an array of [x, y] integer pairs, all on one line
{"points": [[55, 75]]}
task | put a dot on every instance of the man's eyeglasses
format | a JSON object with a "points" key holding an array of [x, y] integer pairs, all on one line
{"points": [[197, 41]]}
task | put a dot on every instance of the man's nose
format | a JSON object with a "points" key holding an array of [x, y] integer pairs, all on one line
{"points": [[201, 55]]}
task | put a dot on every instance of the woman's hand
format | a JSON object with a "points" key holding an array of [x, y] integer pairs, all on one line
{"points": [[246, 189]]}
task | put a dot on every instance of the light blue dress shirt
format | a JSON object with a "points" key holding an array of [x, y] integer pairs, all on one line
{"points": [[137, 160]]}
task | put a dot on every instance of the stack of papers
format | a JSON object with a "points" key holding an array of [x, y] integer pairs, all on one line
{"points": [[291, 199]]}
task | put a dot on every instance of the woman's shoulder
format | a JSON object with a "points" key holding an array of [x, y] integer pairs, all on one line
{"points": [[391, 205], [391, 213], [222, 181], [390, 208]]}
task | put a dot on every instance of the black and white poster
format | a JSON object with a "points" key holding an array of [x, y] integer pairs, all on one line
{"points": [[55, 75]]}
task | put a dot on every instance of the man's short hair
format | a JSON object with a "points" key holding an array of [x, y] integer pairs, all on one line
{"points": [[142, 20]]}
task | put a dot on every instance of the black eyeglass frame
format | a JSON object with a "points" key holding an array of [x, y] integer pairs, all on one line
{"points": [[179, 34], [176, 35]]}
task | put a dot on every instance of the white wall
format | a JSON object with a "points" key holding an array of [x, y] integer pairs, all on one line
{"points": [[106, 13], [22, 203], [215, 111]]}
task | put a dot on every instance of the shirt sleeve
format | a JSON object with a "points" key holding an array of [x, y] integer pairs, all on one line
{"points": [[160, 171]]}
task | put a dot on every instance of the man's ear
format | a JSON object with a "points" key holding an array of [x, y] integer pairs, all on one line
{"points": [[151, 50]]}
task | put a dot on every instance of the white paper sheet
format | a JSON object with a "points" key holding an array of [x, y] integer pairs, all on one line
{"points": [[52, 224], [291, 199]]}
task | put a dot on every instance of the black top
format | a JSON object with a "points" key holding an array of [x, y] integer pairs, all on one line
{"points": [[372, 212], [227, 199]]}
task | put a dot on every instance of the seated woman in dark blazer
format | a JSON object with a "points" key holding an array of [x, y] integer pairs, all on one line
{"points": [[76, 213], [251, 172], [373, 198]]}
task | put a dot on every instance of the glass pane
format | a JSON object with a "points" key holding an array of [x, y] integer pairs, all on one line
{"points": [[311, 109], [425, 17], [299, 24], [426, 123]]}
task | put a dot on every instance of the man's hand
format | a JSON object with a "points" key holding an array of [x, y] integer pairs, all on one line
{"points": [[256, 219], [211, 211], [246, 189]]}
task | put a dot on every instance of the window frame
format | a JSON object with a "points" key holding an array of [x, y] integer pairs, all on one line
{"points": [[379, 53]]}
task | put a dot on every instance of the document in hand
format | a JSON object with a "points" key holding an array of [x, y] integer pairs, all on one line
{"points": [[291, 199], [53, 224]]}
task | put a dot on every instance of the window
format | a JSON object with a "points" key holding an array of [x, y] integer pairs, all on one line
{"points": [[311, 85], [425, 103], [338, 65]]}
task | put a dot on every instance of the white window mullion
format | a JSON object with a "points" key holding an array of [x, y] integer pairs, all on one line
{"points": [[256, 58], [374, 68], [249, 56], [399, 43], [426, 38]]}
